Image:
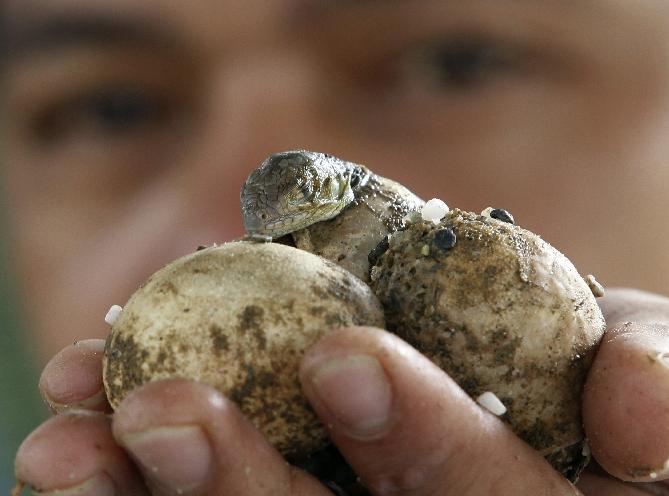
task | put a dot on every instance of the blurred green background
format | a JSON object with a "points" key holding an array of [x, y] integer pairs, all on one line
{"points": [[21, 408]]}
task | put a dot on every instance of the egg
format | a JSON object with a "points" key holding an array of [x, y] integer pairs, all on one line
{"points": [[502, 312], [238, 317]]}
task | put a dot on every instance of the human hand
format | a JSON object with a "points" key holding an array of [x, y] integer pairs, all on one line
{"points": [[416, 433]]}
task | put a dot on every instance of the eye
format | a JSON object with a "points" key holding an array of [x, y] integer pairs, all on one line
{"points": [[306, 190], [355, 180], [263, 216], [112, 111], [465, 63]]}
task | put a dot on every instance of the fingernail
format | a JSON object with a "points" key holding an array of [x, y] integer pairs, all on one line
{"points": [[651, 475], [355, 392], [98, 485], [96, 402], [176, 458], [73, 378]]}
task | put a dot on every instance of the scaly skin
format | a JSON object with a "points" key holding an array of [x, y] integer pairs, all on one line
{"points": [[294, 189]]}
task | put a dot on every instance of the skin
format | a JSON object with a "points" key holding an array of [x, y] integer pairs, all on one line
{"points": [[563, 125]]}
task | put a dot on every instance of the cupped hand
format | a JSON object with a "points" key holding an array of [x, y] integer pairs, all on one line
{"points": [[403, 425]]}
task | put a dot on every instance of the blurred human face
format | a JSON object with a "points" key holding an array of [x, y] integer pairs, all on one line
{"points": [[132, 126]]}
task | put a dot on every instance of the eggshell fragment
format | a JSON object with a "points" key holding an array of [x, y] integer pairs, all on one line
{"points": [[350, 238]]}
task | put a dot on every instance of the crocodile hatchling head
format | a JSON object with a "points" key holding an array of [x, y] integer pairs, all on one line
{"points": [[294, 189]]}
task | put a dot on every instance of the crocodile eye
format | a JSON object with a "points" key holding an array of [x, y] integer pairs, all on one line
{"points": [[305, 189], [355, 180], [263, 216]]}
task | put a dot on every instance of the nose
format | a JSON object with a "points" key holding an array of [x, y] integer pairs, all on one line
{"points": [[266, 103], [258, 105]]}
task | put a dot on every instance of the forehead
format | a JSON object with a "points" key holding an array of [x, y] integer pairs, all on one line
{"points": [[203, 22]]}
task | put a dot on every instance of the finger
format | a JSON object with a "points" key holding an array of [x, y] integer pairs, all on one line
{"points": [[75, 454], [188, 439], [73, 378], [600, 485], [624, 398], [407, 428], [631, 305], [626, 402]]}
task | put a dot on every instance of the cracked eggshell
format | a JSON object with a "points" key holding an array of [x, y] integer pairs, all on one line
{"points": [[239, 317], [500, 310], [349, 238]]}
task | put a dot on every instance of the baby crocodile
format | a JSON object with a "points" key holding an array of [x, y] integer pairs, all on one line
{"points": [[294, 189]]}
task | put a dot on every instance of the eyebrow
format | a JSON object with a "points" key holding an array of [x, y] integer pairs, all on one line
{"points": [[74, 30]]}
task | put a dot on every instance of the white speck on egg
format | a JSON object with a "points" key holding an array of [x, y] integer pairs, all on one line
{"points": [[434, 210], [491, 402], [113, 314]]}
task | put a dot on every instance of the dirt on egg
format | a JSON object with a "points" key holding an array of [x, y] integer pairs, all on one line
{"points": [[502, 312], [239, 317]]}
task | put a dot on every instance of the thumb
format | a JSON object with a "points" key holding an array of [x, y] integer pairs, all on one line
{"points": [[407, 428]]}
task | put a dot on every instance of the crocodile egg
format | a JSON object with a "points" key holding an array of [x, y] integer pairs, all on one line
{"points": [[502, 312], [239, 317]]}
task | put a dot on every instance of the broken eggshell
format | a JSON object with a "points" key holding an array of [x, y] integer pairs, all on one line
{"points": [[348, 239], [239, 317], [501, 311]]}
